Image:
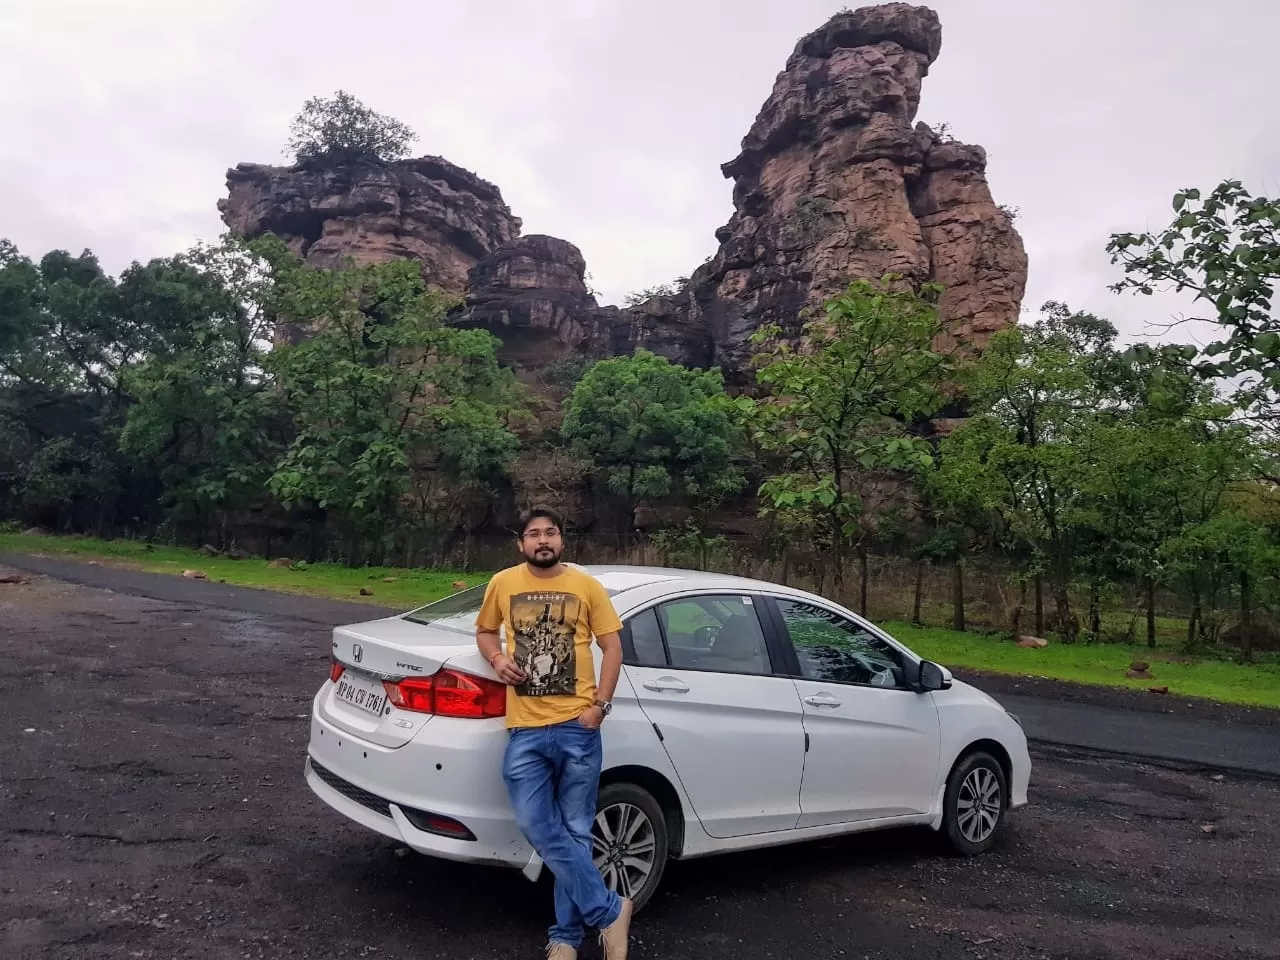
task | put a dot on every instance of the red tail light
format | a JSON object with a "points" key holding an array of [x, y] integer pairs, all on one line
{"points": [[335, 671], [450, 694]]}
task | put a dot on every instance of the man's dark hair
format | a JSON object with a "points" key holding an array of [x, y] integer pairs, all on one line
{"points": [[540, 513]]}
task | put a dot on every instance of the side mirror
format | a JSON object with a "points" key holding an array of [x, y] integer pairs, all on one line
{"points": [[932, 678]]}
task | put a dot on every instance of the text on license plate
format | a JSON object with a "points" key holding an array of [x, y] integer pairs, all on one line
{"points": [[362, 693]]}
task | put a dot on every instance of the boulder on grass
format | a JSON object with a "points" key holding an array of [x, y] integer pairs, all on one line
{"points": [[1139, 670]]}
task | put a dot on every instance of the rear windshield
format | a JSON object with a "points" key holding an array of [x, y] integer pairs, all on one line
{"points": [[455, 612]]}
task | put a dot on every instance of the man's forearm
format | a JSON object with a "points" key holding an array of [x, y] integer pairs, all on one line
{"points": [[489, 643], [610, 668]]}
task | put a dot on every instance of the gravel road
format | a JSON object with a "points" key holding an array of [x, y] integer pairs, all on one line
{"points": [[152, 806]]}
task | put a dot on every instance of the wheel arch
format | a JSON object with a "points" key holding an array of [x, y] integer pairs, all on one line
{"points": [[662, 790]]}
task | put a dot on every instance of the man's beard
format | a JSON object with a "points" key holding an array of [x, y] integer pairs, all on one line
{"points": [[544, 558]]}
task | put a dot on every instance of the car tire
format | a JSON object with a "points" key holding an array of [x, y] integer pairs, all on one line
{"points": [[625, 810], [975, 804]]}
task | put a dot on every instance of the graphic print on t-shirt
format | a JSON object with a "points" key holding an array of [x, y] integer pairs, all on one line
{"points": [[545, 624]]}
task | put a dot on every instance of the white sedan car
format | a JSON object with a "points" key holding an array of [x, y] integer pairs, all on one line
{"points": [[748, 715]]}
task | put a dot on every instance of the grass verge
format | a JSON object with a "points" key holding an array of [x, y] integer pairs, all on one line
{"points": [[1097, 664], [389, 586], [1102, 665]]}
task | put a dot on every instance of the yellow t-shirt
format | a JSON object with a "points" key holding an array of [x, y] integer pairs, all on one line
{"points": [[550, 622]]}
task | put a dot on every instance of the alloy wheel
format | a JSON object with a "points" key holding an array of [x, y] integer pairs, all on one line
{"points": [[624, 847], [979, 805]]}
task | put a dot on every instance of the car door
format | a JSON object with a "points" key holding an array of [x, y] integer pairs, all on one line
{"points": [[703, 671], [873, 743]]}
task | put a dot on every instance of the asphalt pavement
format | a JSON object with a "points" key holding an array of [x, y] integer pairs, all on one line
{"points": [[152, 807]]}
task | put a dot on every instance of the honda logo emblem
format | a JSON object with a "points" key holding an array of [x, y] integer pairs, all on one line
{"points": [[357, 652]]}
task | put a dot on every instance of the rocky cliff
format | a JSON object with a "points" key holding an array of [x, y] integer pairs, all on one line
{"points": [[834, 181], [532, 294], [425, 209]]}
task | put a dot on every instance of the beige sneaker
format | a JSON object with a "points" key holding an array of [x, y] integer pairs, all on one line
{"points": [[561, 951], [613, 938]]}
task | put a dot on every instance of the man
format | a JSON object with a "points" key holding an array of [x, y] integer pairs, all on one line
{"points": [[554, 712]]}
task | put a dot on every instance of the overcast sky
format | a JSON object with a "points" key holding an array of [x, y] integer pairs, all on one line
{"points": [[605, 123]]}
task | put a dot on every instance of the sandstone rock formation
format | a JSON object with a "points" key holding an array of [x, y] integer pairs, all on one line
{"points": [[834, 181], [425, 209], [532, 294]]}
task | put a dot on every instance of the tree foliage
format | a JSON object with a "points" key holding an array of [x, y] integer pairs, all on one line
{"points": [[1097, 464], [382, 393], [1033, 394], [204, 416], [839, 409], [342, 129], [1224, 248], [654, 430]]}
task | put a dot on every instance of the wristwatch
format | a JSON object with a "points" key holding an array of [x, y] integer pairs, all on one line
{"points": [[605, 706]]}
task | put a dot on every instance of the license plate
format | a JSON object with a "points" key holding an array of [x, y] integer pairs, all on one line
{"points": [[365, 694]]}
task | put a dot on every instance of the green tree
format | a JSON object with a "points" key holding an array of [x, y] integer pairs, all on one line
{"points": [[1223, 247], [380, 389], [1035, 394], [63, 344], [342, 129], [203, 412], [839, 411], [654, 429]]}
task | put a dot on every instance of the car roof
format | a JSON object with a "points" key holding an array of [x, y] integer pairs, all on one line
{"points": [[620, 578]]}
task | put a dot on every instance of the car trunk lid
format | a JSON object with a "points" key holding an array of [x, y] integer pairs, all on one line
{"points": [[392, 649]]}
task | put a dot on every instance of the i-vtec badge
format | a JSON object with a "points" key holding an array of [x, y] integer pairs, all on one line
{"points": [[357, 652], [409, 666]]}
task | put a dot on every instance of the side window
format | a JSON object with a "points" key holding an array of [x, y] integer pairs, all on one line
{"points": [[720, 633], [837, 650], [642, 641]]}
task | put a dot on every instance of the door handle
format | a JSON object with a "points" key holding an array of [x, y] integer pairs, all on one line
{"points": [[822, 700], [666, 684]]}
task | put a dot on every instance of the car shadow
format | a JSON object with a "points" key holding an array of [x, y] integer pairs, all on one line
{"points": [[759, 873], [460, 896]]}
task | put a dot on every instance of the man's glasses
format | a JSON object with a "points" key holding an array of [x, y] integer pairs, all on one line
{"points": [[541, 534]]}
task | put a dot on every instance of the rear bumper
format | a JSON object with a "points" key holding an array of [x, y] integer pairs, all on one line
{"points": [[451, 769]]}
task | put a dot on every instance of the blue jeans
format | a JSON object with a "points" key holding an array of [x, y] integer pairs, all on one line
{"points": [[553, 776]]}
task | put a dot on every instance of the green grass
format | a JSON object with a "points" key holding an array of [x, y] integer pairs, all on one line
{"points": [[1097, 664], [411, 588]]}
